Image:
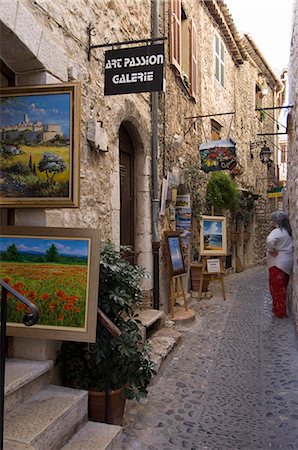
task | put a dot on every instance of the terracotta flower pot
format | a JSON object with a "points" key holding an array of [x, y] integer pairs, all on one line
{"points": [[96, 407]]}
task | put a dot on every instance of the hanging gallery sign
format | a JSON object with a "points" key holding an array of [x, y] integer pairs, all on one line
{"points": [[134, 69], [218, 155]]}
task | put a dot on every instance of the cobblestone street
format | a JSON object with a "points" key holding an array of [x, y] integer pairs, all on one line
{"points": [[232, 383]]}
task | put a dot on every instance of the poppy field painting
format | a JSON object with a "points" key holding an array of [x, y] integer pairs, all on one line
{"points": [[58, 271]]}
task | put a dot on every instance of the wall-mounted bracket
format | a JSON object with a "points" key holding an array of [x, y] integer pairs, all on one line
{"points": [[91, 32]]}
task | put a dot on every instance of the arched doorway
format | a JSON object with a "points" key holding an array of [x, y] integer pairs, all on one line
{"points": [[127, 194]]}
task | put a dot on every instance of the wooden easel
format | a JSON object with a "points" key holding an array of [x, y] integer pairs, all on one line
{"points": [[174, 292], [214, 276]]}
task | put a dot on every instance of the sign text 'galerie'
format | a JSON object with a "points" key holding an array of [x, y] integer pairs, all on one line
{"points": [[132, 70]]}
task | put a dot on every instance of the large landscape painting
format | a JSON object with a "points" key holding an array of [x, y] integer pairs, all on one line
{"points": [[38, 146], [54, 272]]}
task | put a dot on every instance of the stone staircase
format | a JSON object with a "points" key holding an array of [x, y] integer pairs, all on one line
{"points": [[42, 416]]}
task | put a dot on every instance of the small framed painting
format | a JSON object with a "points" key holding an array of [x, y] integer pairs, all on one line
{"points": [[175, 252], [213, 236], [40, 146], [57, 269]]}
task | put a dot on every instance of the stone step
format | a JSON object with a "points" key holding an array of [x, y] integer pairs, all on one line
{"points": [[47, 420], [151, 320], [163, 341], [23, 379], [96, 436]]}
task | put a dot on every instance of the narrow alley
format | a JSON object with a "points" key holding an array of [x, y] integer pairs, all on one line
{"points": [[231, 384]]}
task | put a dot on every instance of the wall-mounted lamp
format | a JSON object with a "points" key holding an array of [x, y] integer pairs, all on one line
{"points": [[265, 152]]}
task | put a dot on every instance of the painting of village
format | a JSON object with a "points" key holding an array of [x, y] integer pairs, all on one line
{"points": [[35, 156], [53, 273]]}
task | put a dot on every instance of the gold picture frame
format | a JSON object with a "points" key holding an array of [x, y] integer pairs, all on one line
{"points": [[58, 270], [40, 146], [213, 236]]}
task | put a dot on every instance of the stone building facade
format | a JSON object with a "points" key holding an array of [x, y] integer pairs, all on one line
{"points": [[49, 42], [245, 83], [291, 203], [225, 73]]}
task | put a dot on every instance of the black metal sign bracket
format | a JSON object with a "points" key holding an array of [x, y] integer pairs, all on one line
{"points": [[91, 32]]}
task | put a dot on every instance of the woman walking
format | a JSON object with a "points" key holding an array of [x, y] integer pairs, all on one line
{"points": [[280, 261]]}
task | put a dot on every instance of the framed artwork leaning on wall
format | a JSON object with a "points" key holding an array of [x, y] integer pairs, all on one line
{"points": [[57, 269]]}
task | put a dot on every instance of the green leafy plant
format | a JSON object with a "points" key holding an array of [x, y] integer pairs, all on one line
{"points": [[222, 193], [84, 365]]}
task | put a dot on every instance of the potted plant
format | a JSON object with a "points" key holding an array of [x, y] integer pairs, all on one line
{"points": [[112, 365]]}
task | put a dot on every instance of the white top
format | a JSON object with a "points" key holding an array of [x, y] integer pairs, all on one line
{"points": [[282, 242]]}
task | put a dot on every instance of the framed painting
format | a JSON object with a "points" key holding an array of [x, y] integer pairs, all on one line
{"points": [[40, 146], [58, 270], [213, 236], [175, 252]]}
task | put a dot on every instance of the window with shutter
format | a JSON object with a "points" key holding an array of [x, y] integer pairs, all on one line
{"points": [[219, 60], [175, 33], [283, 153], [215, 130], [193, 59]]}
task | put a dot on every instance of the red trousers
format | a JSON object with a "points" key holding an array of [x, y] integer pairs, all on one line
{"points": [[278, 282]]}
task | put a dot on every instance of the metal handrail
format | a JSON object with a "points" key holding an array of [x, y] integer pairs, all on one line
{"points": [[111, 331], [28, 320]]}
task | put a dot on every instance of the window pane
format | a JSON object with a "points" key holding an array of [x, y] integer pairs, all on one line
{"points": [[222, 75], [217, 67], [222, 51], [217, 44]]}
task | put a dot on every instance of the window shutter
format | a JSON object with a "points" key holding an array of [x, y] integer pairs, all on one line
{"points": [[175, 33], [222, 64], [219, 60], [193, 60]]}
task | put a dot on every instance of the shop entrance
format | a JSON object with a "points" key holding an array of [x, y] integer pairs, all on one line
{"points": [[127, 195]]}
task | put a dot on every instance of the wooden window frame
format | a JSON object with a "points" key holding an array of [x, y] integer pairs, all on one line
{"points": [[193, 59], [219, 57], [283, 156], [175, 33]]}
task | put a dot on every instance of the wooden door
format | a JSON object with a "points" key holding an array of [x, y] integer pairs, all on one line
{"points": [[126, 191]]}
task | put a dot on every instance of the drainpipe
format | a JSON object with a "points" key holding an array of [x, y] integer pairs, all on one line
{"points": [[154, 154]]}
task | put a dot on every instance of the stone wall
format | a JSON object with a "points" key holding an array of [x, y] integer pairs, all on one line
{"points": [[50, 39], [54, 34], [238, 95], [292, 167]]}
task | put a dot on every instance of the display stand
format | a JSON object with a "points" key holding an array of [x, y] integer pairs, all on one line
{"points": [[218, 274], [175, 293]]}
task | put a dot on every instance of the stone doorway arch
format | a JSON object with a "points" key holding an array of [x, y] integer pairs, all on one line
{"points": [[141, 203]]}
